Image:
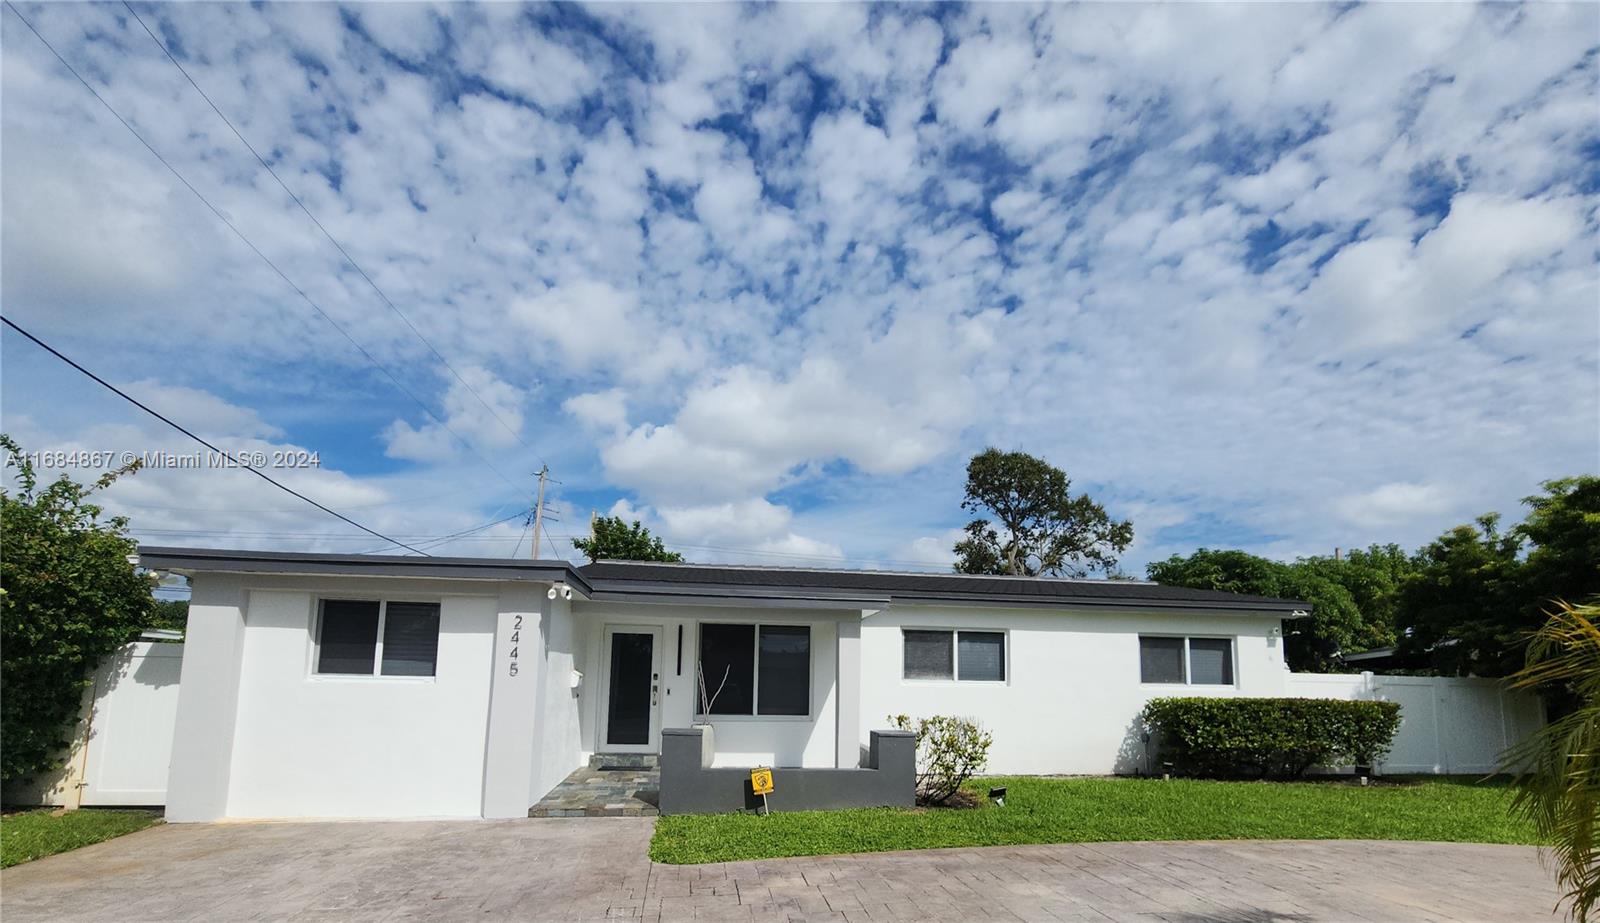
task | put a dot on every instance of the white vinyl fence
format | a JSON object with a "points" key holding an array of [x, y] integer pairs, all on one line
{"points": [[1447, 724], [123, 743]]}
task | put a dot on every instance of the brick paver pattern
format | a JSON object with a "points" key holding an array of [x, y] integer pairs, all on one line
{"points": [[597, 869]]}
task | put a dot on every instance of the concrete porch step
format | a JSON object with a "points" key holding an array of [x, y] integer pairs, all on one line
{"points": [[647, 761], [609, 810]]}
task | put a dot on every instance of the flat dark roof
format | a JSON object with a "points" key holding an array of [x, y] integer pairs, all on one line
{"points": [[685, 583], [372, 565], [639, 577]]}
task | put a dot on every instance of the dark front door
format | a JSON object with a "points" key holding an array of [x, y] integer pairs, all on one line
{"points": [[632, 693]]}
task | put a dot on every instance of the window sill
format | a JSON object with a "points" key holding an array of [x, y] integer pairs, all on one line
{"points": [[359, 678], [954, 682], [1189, 685], [747, 719]]}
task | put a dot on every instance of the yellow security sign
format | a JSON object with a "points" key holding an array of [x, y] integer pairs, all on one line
{"points": [[761, 781]]}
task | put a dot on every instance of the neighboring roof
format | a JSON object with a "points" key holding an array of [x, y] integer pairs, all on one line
{"points": [[1377, 653], [636, 581], [637, 578], [373, 565]]}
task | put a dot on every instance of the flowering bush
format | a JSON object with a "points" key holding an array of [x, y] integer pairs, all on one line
{"points": [[950, 751]]}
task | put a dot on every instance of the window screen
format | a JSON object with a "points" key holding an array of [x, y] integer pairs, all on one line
{"points": [[727, 659], [1161, 660], [348, 642], [1211, 661], [410, 639], [982, 655], [929, 654], [785, 674]]}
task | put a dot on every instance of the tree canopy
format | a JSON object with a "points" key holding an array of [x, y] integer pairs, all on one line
{"points": [[1476, 593], [70, 599], [1311, 644], [1038, 527], [612, 539], [1465, 603]]}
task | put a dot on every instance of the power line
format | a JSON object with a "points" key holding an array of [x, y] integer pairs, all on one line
{"points": [[256, 250], [458, 536], [325, 233], [334, 536], [363, 506], [518, 546], [229, 456]]}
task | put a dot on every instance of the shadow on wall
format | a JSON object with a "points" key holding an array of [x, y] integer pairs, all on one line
{"points": [[149, 671], [1136, 755]]}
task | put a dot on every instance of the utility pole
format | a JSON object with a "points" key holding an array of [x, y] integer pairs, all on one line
{"points": [[538, 510]]}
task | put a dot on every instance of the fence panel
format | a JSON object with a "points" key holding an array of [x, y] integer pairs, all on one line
{"points": [[130, 730], [1448, 725]]}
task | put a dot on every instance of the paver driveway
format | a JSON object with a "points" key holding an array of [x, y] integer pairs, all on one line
{"points": [[596, 868]]}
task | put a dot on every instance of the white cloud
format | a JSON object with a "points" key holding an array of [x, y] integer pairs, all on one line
{"points": [[769, 274], [480, 410], [606, 410], [1392, 504]]}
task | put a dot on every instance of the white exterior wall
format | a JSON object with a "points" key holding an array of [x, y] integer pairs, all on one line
{"points": [[208, 700], [1072, 693], [741, 741], [558, 747], [318, 746]]}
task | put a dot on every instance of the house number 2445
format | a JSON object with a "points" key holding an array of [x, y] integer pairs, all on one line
{"points": [[516, 638]]}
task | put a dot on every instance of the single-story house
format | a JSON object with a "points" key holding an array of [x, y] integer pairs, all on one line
{"points": [[326, 685]]}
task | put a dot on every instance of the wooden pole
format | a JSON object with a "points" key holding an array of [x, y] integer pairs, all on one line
{"points": [[538, 510]]}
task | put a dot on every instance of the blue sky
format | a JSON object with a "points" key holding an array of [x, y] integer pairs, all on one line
{"points": [[1283, 277]]}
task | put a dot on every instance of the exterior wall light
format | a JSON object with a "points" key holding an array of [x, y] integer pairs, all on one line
{"points": [[561, 590]]}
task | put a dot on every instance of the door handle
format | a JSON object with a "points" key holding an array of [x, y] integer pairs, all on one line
{"points": [[653, 690]]}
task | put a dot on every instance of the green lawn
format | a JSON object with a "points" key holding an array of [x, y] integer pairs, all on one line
{"points": [[30, 835], [1090, 810]]}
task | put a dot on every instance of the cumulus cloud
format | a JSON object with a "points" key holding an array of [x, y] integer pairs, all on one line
{"points": [[767, 274], [480, 411]]}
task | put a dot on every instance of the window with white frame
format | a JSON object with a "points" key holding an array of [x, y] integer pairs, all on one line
{"points": [[363, 637], [954, 654], [756, 669], [1186, 661]]}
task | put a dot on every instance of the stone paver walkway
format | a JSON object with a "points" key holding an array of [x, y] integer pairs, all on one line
{"points": [[596, 868], [596, 792]]}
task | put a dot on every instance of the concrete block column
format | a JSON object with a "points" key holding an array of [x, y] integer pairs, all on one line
{"points": [[514, 701], [847, 722], [208, 699]]}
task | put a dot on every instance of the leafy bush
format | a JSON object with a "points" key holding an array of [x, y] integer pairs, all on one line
{"points": [[950, 751], [1269, 737], [69, 600]]}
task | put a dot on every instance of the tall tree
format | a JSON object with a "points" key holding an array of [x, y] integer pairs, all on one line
{"points": [[1311, 644], [612, 539], [1461, 604], [1038, 527], [1563, 528], [1372, 577], [1474, 598], [69, 600]]}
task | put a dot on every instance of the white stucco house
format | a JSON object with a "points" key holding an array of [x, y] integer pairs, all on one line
{"points": [[318, 685]]}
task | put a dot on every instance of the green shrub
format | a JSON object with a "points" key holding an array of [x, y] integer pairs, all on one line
{"points": [[949, 752], [68, 600], [1269, 737]]}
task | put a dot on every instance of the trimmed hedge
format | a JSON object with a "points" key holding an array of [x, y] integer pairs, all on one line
{"points": [[1275, 738]]}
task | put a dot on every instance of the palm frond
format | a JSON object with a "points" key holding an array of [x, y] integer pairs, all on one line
{"points": [[1559, 767]]}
